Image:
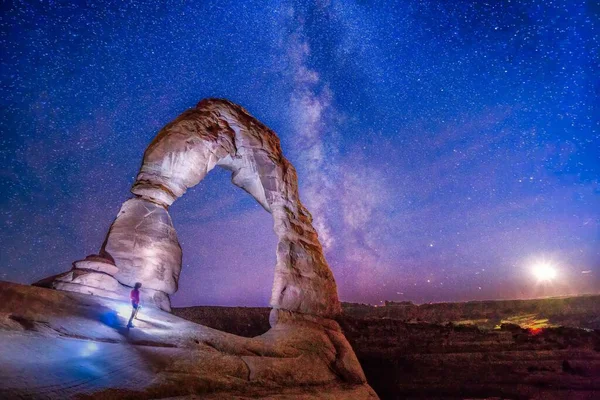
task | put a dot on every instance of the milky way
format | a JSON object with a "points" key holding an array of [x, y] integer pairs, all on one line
{"points": [[443, 147]]}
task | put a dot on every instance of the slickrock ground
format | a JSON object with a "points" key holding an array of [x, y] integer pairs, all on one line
{"points": [[67, 345], [406, 360]]}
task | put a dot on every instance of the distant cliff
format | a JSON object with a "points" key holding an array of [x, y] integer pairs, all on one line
{"points": [[242, 321], [577, 312]]}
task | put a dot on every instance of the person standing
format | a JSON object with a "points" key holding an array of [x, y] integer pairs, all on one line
{"points": [[135, 303]]}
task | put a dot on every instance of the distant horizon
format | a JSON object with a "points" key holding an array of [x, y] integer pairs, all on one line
{"points": [[408, 301], [412, 302], [381, 301]]}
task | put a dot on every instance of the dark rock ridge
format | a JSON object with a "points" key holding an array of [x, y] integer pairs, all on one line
{"points": [[242, 321], [577, 311], [420, 360]]}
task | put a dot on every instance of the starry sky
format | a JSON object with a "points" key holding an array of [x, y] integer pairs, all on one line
{"points": [[443, 147]]}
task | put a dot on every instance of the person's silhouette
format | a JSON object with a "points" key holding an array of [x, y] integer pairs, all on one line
{"points": [[135, 303]]}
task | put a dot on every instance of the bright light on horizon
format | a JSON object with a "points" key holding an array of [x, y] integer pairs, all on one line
{"points": [[544, 272]]}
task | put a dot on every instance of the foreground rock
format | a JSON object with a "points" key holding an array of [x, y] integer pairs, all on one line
{"points": [[61, 345]]}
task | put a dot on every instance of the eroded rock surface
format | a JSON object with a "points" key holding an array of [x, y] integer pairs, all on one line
{"points": [[142, 243], [63, 345]]}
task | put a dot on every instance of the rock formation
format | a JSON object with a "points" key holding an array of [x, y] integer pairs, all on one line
{"points": [[142, 246], [303, 356]]}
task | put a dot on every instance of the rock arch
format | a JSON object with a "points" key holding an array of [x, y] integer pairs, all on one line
{"points": [[142, 244]]}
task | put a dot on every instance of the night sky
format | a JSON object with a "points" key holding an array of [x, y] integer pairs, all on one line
{"points": [[443, 147]]}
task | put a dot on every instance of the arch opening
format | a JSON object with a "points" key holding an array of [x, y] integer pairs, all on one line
{"points": [[227, 241]]}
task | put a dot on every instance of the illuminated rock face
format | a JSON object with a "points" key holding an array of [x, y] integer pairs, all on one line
{"points": [[142, 244]]}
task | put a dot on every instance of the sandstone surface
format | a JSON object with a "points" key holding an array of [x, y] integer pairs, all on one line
{"points": [[143, 244], [66, 345]]}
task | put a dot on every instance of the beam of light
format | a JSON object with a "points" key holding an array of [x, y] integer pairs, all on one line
{"points": [[124, 310], [544, 272]]}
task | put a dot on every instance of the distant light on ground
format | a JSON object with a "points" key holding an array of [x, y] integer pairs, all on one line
{"points": [[544, 272]]}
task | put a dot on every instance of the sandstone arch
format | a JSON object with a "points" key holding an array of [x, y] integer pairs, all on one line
{"points": [[142, 244]]}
